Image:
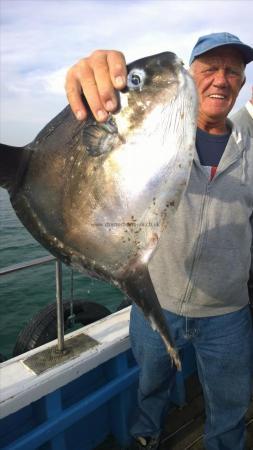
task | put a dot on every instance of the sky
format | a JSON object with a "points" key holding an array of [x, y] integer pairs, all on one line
{"points": [[41, 39]]}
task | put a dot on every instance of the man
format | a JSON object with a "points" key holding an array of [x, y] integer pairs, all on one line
{"points": [[201, 268], [244, 119]]}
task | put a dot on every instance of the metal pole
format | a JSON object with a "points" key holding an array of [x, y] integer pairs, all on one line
{"points": [[71, 318], [59, 305]]}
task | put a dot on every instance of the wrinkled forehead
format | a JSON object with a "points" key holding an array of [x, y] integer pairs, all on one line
{"points": [[225, 55]]}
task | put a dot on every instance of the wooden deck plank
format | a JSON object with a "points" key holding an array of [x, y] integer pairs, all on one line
{"points": [[184, 426], [192, 418], [250, 434]]}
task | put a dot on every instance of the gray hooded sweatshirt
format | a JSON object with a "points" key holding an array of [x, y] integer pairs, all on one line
{"points": [[201, 265]]}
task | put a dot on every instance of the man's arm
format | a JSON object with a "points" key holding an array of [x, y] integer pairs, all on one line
{"points": [[244, 117], [96, 77], [250, 282]]}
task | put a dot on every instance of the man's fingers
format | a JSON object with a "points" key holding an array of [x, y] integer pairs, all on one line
{"points": [[103, 81], [73, 92], [117, 68], [91, 93], [97, 77]]}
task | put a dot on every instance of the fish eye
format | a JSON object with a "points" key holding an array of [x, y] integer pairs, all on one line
{"points": [[135, 79]]}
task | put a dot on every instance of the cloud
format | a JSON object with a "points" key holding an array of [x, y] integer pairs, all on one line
{"points": [[41, 39]]}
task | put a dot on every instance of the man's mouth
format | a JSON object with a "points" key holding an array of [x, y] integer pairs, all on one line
{"points": [[219, 96]]}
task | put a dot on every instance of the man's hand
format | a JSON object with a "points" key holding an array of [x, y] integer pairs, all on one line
{"points": [[96, 77]]}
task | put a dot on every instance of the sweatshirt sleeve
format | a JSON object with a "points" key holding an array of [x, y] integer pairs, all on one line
{"points": [[250, 283]]}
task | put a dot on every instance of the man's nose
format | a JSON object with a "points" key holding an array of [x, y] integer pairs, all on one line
{"points": [[221, 79]]}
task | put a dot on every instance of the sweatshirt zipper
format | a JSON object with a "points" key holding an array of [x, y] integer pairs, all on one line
{"points": [[198, 249]]}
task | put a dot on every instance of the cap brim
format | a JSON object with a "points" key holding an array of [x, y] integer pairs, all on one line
{"points": [[246, 51]]}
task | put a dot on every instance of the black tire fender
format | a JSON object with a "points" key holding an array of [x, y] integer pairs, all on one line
{"points": [[42, 327]]}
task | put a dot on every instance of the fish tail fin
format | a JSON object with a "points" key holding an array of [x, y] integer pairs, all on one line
{"points": [[174, 356]]}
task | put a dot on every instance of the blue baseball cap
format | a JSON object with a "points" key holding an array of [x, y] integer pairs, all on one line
{"points": [[213, 40]]}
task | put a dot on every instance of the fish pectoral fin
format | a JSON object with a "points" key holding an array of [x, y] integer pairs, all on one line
{"points": [[101, 138]]}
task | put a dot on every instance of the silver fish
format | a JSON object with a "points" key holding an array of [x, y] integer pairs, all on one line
{"points": [[98, 196]]}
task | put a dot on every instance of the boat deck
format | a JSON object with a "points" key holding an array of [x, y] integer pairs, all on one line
{"points": [[184, 427], [76, 403]]}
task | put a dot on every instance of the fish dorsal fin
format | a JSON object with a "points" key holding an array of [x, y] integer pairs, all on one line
{"points": [[13, 162]]}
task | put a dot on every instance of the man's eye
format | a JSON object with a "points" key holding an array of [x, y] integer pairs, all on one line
{"points": [[211, 69], [234, 72]]}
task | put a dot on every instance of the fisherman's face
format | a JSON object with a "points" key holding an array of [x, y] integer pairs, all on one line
{"points": [[219, 76]]}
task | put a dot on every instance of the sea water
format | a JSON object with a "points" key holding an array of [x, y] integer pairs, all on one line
{"points": [[24, 293]]}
